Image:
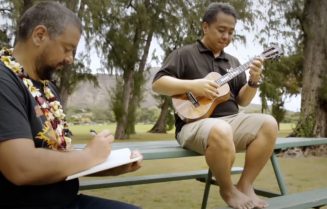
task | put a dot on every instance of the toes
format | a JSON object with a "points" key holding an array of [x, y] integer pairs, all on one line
{"points": [[261, 204]]}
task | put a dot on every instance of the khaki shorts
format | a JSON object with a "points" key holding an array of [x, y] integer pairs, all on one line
{"points": [[194, 136]]}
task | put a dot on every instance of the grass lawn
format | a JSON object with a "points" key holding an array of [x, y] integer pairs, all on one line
{"points": [[81, 132], [300, 174]]}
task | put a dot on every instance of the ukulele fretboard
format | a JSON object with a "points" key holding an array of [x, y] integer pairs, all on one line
{"points": [[233, 73]]}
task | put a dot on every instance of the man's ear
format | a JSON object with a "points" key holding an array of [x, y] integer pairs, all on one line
{"points": [[205, 27], [40, 34]]}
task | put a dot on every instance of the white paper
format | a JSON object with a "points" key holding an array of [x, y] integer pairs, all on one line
{"points": [[115, 159]]}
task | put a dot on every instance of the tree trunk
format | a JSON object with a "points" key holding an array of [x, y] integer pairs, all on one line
{"points": [[137, 92], [127, 93], [313, 117], [160, 125]]}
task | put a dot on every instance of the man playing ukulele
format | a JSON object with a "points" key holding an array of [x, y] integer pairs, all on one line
{"points": [[226, 131]]}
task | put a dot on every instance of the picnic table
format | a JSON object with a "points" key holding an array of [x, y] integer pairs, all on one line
{"points": [[164, 149]]}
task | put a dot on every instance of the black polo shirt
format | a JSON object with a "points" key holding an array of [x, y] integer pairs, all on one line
{"points": [[196, 61]]}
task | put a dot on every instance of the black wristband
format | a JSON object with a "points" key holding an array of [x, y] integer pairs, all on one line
{"points": [[253, 84]]}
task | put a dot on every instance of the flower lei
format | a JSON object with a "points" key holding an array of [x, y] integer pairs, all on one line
{"points": [[49, 105]]}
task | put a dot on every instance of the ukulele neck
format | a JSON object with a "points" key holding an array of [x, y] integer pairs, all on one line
{"points": [[234, 72]]}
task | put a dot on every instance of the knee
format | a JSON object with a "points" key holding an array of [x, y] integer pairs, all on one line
{"points": [[269, 128], [221, 138]]}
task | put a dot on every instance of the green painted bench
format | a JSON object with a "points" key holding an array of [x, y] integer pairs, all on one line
{"points": [[303, 200], [152, 150]]}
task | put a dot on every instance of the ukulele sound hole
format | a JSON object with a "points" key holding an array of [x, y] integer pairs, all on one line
{"points": [[192, 99]]}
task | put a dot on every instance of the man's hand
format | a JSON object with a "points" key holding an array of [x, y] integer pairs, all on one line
{"points": [[256, 70], [205, 87], [100, 146]]}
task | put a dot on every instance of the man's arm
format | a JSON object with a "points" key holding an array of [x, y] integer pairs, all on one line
{"points": [[246, 95], [23, 164], [247, 92], [171, 86]]}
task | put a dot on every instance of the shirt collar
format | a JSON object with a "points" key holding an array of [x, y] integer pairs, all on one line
{"points": [[203, 49]]}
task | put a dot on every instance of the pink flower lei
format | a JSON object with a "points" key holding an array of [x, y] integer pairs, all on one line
{"points": [[49, 105]]}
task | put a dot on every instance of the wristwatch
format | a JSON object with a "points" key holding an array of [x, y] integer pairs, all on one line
{"points": [[253, 84]]}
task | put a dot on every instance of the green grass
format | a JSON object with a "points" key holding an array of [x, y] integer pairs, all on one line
{"points": [[82, 132], [285, 129], [300, 174]]}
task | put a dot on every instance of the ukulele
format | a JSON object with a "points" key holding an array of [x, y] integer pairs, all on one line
{"points": [[190, 108]]}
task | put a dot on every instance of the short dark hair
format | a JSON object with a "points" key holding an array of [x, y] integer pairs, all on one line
{"points": [[215, 8], [52, 15]]}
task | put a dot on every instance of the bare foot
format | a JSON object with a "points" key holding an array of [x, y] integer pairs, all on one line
{"points": [[236, 199], [258, 202]]}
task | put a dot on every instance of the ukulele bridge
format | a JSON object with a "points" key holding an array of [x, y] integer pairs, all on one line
{"points": [[192, 99]]}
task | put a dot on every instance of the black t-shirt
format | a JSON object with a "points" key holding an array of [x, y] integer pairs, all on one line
{"points": [[196, 61], [18, 119]]}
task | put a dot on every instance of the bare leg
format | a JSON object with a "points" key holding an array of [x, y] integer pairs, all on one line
{"points": [[220, 155], [257, 155]]}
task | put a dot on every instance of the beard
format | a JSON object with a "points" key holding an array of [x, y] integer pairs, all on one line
{"points": [[44, 70]]}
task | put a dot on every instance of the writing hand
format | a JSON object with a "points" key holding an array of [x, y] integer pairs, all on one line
{"points": [[100, 146]]}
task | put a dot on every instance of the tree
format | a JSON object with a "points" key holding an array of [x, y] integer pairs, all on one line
{"points": [[313, 117], [140, 24], [4, 39], [163, 124], [124, 41], [67, 79], [302, 24], [10, 11], [282, 78]]}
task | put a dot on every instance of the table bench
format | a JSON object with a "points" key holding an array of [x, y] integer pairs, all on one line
{"points": [[303, 200], [152, 150]]}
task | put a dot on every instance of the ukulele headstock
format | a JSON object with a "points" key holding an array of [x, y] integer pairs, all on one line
{"points": [[273, 52]]}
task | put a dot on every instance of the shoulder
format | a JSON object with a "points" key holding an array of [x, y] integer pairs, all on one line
{"points": [[187, 49], [7, 76], [4, 71], [11, 84], [181, 53]]}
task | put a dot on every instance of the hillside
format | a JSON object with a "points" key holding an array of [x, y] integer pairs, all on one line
{"points": [[87, 96]]}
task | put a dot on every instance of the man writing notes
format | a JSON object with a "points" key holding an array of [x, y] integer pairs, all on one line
{"points": [[35, 151]]}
